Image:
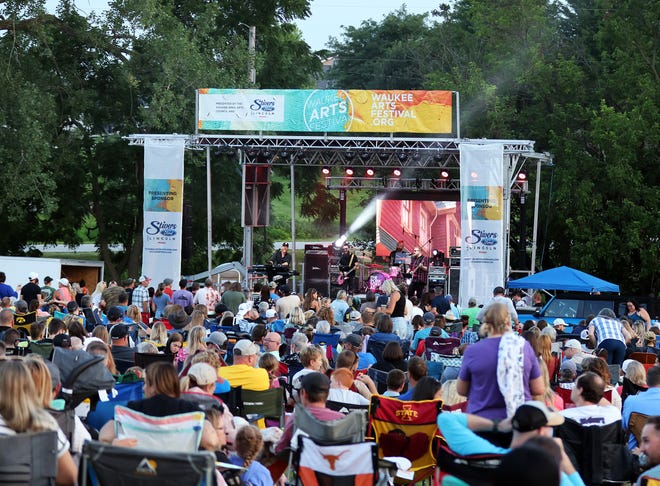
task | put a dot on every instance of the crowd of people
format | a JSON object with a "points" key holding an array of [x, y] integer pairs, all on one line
{"points": [[504, 384]]}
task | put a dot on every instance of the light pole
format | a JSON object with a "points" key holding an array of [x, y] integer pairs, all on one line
{"points": [[252, 76]]}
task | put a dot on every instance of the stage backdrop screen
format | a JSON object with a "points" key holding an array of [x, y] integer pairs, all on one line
{"points": [[320, 111]]}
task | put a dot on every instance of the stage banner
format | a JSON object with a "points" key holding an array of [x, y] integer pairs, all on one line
{"points": [[482, 221], [163, 209], [337, 111]]}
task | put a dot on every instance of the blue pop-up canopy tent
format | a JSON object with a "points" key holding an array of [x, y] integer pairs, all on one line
{"points": [[563, 278]]}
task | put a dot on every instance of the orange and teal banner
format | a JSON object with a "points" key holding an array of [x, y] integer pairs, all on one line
{"points": [[482, 221], [321, 111], [163, 208]]}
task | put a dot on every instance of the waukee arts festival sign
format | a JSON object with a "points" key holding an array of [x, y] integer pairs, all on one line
{"points": [[321, 111]]}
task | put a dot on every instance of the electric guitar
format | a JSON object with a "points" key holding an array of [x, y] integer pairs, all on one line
{"points": [[344, 276]]}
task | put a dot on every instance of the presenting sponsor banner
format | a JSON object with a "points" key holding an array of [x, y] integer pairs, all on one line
{"points": [[482, 221], [341, 111], [163, 206]]}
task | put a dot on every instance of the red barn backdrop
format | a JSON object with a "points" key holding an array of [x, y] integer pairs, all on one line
{"points": [[430, 224]]}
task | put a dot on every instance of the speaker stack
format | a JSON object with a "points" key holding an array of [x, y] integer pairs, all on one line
{"points": [[454, 280], [316, 268]]}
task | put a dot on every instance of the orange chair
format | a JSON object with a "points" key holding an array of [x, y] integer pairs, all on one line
{"points": [[407, 429]]}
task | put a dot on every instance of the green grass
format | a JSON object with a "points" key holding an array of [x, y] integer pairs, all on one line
{"points": [[92, 256]]}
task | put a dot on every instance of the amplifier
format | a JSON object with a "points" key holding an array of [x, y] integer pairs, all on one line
{"points": [[454, 252]]}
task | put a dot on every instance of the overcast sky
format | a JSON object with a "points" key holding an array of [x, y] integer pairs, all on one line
{"points": [[327, 15]]}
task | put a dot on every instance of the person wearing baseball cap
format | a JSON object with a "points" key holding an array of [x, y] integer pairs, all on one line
{"points": [[122, 353], [140, 298], [31, 290], [531, 419], [423, 333], [573, 351], [314, 391], [560, 326], [353, 342], [243, 372]]}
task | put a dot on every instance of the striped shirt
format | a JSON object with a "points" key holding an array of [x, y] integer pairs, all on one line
{"points": [[607, 329]]}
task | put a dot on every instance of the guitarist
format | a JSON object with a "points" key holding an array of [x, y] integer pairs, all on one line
{"points": [[348, 264], [419, 267]]}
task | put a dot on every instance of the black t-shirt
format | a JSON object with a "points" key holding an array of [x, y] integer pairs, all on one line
{"points": [[30, 291], [162, 406]]}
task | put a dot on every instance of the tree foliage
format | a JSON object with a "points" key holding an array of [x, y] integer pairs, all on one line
{"points": [[74, 85], [580, 77]]}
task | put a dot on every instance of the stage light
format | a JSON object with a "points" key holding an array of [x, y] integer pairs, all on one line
{"points": [[444, 175], [349, 155], [370, 172], [417, 157], [365, 156], [340, 241], [349, 171], [396, 172], [326, 170], [418, 183], [522, 177], [383, 156], [402, 157]]}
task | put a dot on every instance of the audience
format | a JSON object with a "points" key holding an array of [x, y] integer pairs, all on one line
{"points": [[498, 374]]}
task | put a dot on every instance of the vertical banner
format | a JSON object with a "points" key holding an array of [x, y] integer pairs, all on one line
{"points": [[163, 208], [482, 221]]}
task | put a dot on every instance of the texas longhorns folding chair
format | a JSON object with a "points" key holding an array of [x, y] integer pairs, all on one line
{"points": [[406, 429], [315, 464]]}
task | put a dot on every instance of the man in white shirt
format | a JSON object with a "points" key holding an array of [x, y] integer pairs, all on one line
{"points": [[498, 297], [286, 303], [587, 393]]}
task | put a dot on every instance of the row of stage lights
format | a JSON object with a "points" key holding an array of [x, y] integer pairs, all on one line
{"points": [[370, 172], [444, 175]]}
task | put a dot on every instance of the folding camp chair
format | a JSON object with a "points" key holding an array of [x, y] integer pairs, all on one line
{"points": [[174, 433], [331, 340], [43, 349], [345, 408], [267, 404], [28, 459], [646, 359], [406, 429], [379, 378], [233, 399], [107, 465], [636, 423], [351, 428], [83, 375], [440, 346], [145, 359], [600, 453], [23, 323], [315, 464], [475, 469]]}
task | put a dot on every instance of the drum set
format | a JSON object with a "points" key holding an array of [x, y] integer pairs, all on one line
{"points": [[378, 276]]}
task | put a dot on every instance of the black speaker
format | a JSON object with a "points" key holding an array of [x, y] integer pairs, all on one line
{"points": [[256, 198], [316, 269], [454, 282]]}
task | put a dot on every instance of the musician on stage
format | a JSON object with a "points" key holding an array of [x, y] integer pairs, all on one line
{"points": [[399, 249], [419, 268], [348, 266], [281, 258]]}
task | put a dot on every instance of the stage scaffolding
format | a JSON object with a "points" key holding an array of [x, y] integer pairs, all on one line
{"points": [[412, 155]]}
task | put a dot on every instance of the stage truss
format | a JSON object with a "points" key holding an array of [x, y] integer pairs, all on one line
{"points": [[413, 156]]}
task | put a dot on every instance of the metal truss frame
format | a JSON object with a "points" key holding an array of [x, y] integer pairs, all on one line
{"points": [[377, 152], [416, 154]]}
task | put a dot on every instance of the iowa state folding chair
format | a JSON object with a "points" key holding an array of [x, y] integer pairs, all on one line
{"points": [[406, 429]]}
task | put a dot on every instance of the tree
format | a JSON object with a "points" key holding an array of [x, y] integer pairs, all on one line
{"points": [[77, 84]]}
